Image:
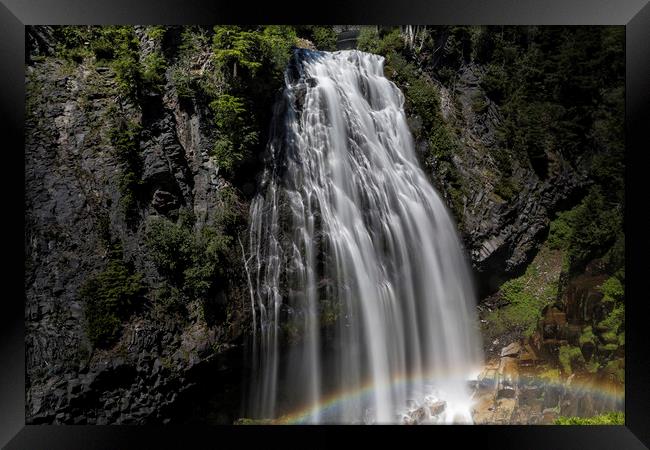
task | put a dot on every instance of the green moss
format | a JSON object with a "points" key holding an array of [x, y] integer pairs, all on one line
{"points": [[525, 297], [612, 418], [587, 336], [551, 375], [616, 370]]}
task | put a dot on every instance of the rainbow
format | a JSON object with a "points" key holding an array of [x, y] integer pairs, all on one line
{"points": [[331, 402], [334, 400]]}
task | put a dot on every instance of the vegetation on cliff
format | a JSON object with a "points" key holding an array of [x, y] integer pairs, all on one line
{"points": [[110, 297]]}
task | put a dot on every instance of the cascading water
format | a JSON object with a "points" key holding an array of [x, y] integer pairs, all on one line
{"points": [[362, 299]]}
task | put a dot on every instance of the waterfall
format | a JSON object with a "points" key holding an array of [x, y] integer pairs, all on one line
{"points": [[362, 300]]}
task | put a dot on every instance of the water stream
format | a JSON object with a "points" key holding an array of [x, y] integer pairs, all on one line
{"points": [[362, 297]]}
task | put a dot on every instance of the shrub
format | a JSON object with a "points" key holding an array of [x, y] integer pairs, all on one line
{"points": [[191, 261], [153, 71], [596, 224], [109, 297], [612, 290], [559, 235], [324, 38], [250, 62], [590, 230], [236, 136]]}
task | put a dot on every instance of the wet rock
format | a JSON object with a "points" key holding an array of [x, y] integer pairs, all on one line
{"points": [[508, 377], [437, 407], [511, 350]]}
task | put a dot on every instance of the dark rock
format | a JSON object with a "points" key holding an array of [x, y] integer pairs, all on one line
{"points": [[164, 201]]}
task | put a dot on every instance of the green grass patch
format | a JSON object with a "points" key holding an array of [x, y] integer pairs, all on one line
{"points": [[525, 298], [611, 418]]}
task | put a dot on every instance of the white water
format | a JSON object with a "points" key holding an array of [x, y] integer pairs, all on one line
{"points": [[356, 273]]}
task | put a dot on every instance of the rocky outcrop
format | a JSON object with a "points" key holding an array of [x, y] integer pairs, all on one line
{"points": [[72, 202], [522, 387]]}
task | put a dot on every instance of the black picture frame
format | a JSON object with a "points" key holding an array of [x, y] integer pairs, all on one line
{"points": [[634, 14]]}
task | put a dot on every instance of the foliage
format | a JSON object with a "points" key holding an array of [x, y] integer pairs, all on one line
{"points": [[612, 290], [570, 358], [236, 136], [118, 46], [194, 43], [587, 336], [611, 418], [126, 64], [597, 222], [156, 32], [615, 369], [559, 235], [590, 230], [153, 72], [323, 37], [110, 297], [251, 62], [125, 139], [189, 259]]}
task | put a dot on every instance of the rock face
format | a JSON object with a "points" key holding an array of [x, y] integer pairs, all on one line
{"points": [[72, 199], [500, 234]]}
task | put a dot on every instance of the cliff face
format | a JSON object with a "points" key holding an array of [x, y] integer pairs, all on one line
{"points": [[514, 124], [501, 234], [495, 159], [74, 211]]}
